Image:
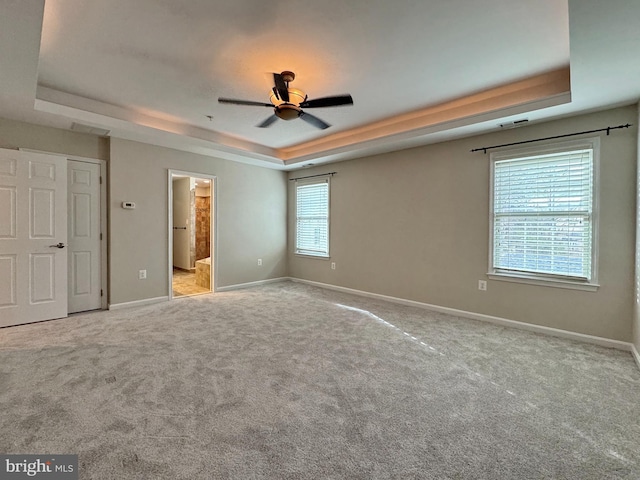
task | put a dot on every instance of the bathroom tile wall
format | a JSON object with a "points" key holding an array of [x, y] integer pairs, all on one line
{"points": [[203, 227]]}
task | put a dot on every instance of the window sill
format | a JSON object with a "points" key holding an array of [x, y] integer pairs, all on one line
{"points": [[544, 282], [311, 255]]}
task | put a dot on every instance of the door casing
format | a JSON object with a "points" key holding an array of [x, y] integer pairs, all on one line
{"points": [[213, 222]]}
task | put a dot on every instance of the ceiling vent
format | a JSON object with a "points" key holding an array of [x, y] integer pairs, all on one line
{"points": [[81, 128], [514, 124]]}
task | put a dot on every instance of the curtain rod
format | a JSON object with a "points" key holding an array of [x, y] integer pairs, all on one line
{"points": [[608, 129], [311, 176]]}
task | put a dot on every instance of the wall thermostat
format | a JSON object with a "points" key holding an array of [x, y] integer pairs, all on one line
{"points": [[128, 205]]}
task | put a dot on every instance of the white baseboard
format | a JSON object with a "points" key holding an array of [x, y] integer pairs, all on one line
{"points": [[149, 301], [138, 303], [239, 286], [636, 355], [601, 341]]}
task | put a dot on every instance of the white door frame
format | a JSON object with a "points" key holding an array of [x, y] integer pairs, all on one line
{"points": [[104, 263], [213, 212]]}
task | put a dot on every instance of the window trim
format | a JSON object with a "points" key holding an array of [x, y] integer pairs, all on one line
{"points": [[314, 181], [592, 143]]}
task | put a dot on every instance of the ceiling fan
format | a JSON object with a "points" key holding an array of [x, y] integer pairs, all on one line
{"points": [[287, 103]]}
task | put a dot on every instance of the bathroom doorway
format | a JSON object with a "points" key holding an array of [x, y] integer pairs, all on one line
{"points": [[191, 234]]}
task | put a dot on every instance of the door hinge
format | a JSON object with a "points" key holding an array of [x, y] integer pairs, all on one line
{"points": [[101, 293], [100, 235], [100, 179]]}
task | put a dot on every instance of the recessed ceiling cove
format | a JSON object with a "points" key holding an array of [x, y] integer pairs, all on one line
{"points": [[161, 65]]}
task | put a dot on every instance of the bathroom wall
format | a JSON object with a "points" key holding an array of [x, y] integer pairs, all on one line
{"points": [[192, 225], [203, 226]]}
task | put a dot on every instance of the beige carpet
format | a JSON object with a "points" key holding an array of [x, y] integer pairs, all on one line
{"points": [[288, 381]]}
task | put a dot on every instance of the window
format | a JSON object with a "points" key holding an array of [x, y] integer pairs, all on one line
{"points": [[543, 223], [312, 218]]}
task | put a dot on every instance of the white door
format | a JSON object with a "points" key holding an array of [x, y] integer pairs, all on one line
{"points": [[33, 237], [84, 236]]}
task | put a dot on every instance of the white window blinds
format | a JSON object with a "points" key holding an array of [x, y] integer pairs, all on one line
{"points": [[542, 214], [312, 218]]}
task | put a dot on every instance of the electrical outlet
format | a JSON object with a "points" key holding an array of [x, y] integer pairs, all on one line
{"points": [[142, 274], [482, 285], [259, 262], [333, 265]]}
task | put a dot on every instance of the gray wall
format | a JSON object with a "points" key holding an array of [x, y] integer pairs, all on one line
{"points": [[251, 208], [26, 135], [636, 304], [414, 224], [411, 224], [251, 222]]}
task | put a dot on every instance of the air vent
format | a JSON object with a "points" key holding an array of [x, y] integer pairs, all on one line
{"points": [[514, 124], [79, 127]]}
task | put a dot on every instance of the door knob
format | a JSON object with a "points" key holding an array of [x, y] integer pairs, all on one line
{"points": [[59, 245]]}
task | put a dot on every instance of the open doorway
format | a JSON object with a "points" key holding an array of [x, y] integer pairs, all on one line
{"points": [[191, 233]]}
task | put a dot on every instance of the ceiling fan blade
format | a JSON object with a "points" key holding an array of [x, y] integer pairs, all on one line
{"points": [[234, 101], [267, 122], [334, 101], [281, 87], [313, 120]]}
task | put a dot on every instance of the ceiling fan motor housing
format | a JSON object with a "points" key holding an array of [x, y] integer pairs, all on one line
{"points": [[288, 76]]}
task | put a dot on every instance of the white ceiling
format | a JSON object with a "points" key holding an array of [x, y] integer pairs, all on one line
{"points": [[419, 71]]}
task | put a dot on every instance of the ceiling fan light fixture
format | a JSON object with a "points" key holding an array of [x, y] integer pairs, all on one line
{"points": [[287, 112], [288, 102], [296, 97]]}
